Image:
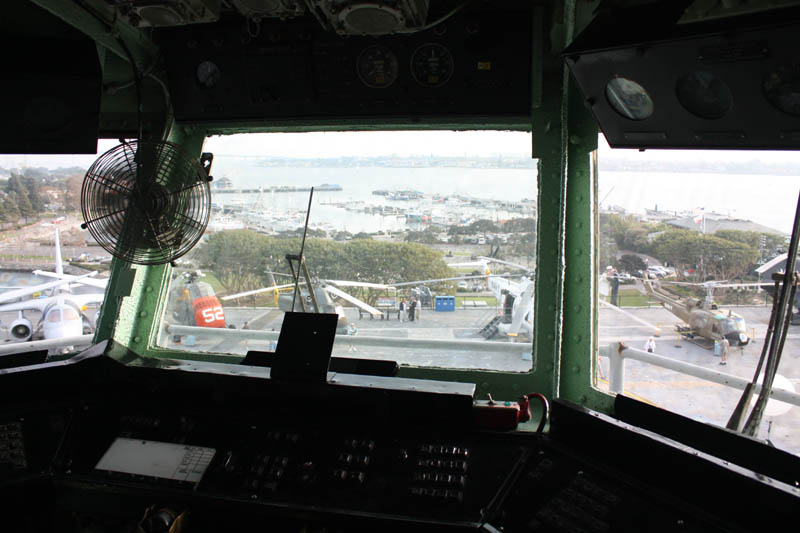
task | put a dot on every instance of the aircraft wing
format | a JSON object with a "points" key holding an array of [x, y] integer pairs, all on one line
{"points": [[468, 264], [515, 265], [747, 284], [27, 291], [99, 283], [37, 304], [352, 299], [82, 300], [256, 291]]}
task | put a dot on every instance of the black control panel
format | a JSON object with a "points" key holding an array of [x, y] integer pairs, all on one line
{"points": [[449, 476], [100, 446], [477, 63]]}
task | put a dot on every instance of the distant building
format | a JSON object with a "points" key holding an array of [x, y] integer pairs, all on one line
{"points": [[775, 265], [222, 183], [714, 222], [654, 215]]}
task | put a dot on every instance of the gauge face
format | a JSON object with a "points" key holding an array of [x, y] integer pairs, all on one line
{"points": [[629, 99], [377, 66], [782, 88], [208, 74], [432, 65], [704, 94]]}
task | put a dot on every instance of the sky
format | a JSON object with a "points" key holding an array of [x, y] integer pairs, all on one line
{"points": [[402, 143]]}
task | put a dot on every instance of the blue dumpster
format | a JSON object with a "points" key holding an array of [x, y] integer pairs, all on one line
{"points": [[445, 303]]}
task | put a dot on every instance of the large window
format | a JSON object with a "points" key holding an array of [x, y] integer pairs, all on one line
{"points": [[40, 197], [685, 238], [423, 244]]}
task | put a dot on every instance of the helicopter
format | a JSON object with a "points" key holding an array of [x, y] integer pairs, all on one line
{"points": [[193, 302], [702, 318], [324, 290]]}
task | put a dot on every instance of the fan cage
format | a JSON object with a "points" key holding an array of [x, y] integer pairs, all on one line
{"points": [[146, 202]]}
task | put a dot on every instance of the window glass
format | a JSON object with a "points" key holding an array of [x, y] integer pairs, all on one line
{"points": [[40, 195], [685, 240], [421, 242]]}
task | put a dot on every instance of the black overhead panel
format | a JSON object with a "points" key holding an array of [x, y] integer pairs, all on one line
{"points": [[728, 84], [50, 86], [476, 63]]}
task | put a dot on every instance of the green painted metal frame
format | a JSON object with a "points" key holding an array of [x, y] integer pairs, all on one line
{"points": [[564, 135]]}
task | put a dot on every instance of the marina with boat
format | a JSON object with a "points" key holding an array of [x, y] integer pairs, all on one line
{"points": [[279, 209]]}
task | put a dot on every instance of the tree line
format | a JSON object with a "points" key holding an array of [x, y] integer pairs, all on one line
{"points": [[725, 254], [21, 198], [243, 259]]}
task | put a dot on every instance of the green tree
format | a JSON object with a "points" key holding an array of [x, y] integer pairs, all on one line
{"points": [[717, 258], [72, 192], [630, 263], [426, 236], [10, 209], [17, 191], [519, 225], [768, 244], [240, 259], [34, 193]]}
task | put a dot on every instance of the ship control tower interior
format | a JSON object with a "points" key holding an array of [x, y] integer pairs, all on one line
{"points": [[168, 426]]}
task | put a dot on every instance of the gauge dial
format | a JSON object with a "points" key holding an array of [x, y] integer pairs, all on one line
{"points": [[377, 66], [432, 65], [704, 94], [208, 74], [629, 99], [782, 87]]}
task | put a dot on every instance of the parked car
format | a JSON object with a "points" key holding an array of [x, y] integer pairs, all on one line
{"points": [[624, 277], [657, 271]]}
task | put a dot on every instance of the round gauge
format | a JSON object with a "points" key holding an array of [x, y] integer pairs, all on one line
{"points": [[782, 87], [629, 99], [704, 94], [377, 66], [208, 74], [432, 65]]}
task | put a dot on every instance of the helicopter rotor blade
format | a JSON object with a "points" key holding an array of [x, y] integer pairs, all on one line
{"points": [[352, 299], [256, 291], [345, 283], [456, 278]]}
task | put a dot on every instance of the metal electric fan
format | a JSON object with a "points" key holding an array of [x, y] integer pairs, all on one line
{"points": [[146, 202]]}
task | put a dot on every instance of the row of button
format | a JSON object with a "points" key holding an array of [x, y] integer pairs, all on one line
{"points": [[443, 464], [351, 459], [437, 449], [359, 444], [448, 479], [440, 494], [349, 475]]}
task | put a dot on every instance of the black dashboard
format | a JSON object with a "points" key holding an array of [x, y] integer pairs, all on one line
{"points": [[91, 444]]}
